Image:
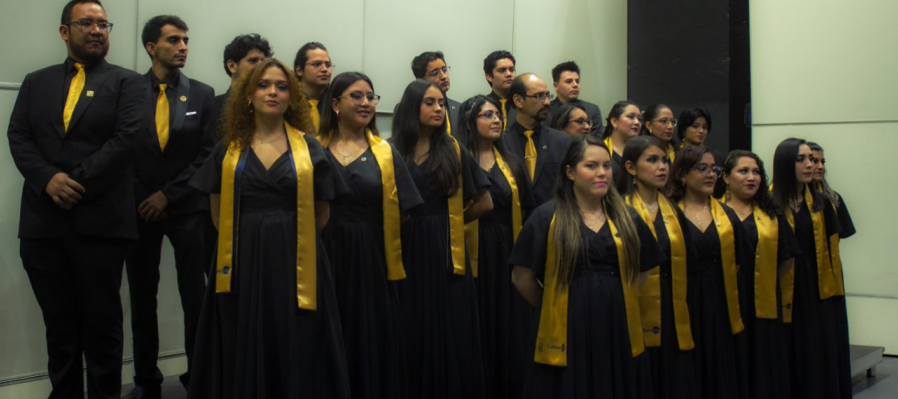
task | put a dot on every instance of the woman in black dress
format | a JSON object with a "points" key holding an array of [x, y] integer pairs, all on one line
{"points": [[589, 249], [665, 315], [818, 369], [846, 229], [269, 326], [623, 123], [775, 248], [660, 124], [713, 296], [504, 315], [439, 295], [362, 237]]}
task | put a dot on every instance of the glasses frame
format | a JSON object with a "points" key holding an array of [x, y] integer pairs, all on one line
{"points": [[376, 98], [496, 115], [673, 121], [708, 169], [581, 121], [86, 25], [541, 97], [436, 72]]}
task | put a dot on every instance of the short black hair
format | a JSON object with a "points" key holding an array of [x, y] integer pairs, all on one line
{"points": [[567, 66], [242, 45], [519, 87], [489, 63], [419, 63], [67, 10], [302, 56], [152, 30], [688, 117]]}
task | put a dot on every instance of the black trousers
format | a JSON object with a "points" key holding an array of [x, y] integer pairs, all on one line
{"points": [[76, 280], [187, 236]]}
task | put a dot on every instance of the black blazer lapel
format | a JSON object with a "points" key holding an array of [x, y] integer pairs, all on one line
{"points": [[541, 151], [92, 86], [57, 99], [181, 99]]}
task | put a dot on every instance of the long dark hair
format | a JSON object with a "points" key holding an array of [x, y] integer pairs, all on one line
{"points": [[616, 111], [406, 125], [467, 131], [688, 117], [330, 122], [632, 151], [570, 245], [785, 185], [687, 158], [560, 119], [824, 185], [762, 199]]}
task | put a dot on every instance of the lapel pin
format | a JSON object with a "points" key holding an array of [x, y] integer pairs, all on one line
{"points": [[183, 99], [545, 148], [90, 93], [364, 159]]}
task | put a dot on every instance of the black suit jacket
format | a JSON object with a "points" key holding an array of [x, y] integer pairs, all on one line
{"points": [[217, 105], [592, 110], [452, 107], [96, 151], [551, 145], [192, 130]]}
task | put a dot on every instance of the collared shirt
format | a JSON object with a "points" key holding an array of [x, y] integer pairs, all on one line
{"points": [[509, 108], [70, 72], [171, 89]]}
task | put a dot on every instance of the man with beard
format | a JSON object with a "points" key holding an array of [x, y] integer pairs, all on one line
{"points": [[71, 135], [539, 146], [566, 78], [179, 134], [499, 68], [240, 56], [431, 66], [313, 67]]}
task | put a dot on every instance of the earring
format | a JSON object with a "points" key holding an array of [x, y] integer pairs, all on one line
{"points": [[337, 112], [634, 180]]}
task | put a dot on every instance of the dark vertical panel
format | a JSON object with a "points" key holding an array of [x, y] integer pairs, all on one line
{"points": [[695, 53]]}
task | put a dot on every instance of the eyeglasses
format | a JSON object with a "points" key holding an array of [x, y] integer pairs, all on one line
{"points": [[86, 25], [358, 98], [490, 115], [436, 72], [319, 64], [706, 169], [582, 122], [541, 96], [665, 121]]}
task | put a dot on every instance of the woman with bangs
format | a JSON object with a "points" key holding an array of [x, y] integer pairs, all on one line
{"points": [[665, 314], [439, 294], [362, 238], [269, 326], [660, 124], [713, 296], [773, 243], [504, 316], [578, 260]]}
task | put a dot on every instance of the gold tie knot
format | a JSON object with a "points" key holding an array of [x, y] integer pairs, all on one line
{"points": [[162, 87], [79, 66], [528, 133], [313, 103], [503, 101]]}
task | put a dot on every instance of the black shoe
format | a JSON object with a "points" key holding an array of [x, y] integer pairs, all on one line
{"points": [[140, 392]]}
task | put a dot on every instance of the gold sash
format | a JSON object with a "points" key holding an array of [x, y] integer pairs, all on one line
{"points": [[766, 265], [610, 144], [472, 229], [551, 338], [671, 153], [457, 221], [306, 234], [650, 294], [727, 237]]}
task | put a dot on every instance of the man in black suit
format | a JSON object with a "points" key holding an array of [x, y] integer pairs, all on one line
{"points": [[499, 68], [71, 135], [431, 66], [313, 67], [179, 134], [240, 56], [566, 78], [539, 146]]}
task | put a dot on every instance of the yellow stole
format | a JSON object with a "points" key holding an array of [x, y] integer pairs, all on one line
{"points": [[766, 265], [671, 153], [727, 237], [306, 234], [650, 294], [826, 277], [551, 338], [472, 229], [609, 144], [457, 221], [383, 154]]}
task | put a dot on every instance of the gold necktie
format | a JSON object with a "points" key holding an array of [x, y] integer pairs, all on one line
{"points": [[71, 100], [316, 117], [530, 153], [505, 116], [162, 127]]}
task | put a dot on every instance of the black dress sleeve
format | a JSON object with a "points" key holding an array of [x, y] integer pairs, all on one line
{"points": [[328, 183], [787, 247], [650, 253], [409, 198], [473, 177], [207, 178], [530, 249], [845, 222]]}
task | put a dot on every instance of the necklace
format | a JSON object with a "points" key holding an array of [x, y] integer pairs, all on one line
{"points": [[350, 155], [270, 140], [596, 221], [652, 208], [743, 211], [698, 214]]}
